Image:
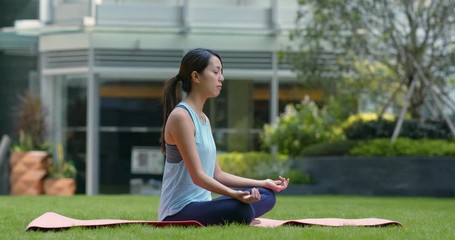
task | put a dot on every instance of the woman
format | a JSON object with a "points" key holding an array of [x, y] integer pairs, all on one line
{"points": [[191, 171]]}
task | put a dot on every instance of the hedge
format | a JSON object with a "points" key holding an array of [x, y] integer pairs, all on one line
{"points": [[404, 147]]}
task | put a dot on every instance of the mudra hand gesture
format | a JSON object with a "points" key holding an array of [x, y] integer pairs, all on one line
{"points": [[277, 185]]}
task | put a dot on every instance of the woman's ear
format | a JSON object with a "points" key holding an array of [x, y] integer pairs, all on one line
{"points": [[195, 76]]}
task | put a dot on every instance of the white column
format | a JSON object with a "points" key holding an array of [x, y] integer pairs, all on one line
{"points": [[92, 155], [47, 93], [92, 8], [186, 16], [59, 108], [274, 86], [274, 15], [274, 99], [45, 11]]}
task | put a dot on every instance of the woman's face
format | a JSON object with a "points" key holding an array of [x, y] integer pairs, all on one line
{"points": [[211, 79]]}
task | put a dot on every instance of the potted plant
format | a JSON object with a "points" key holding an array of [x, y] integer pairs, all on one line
{"points": [[61, 177], [30, 152]]}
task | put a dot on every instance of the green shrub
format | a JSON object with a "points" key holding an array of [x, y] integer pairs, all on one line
{"points": [[428, 129], [364, 118], [404, 147], [30, 124], [298, 127], [260, 165], [383, 128], [257, 165], [335, 148], [297, 177]]}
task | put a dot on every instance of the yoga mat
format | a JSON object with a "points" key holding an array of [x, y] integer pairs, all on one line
{"points": [[54, 221], [328, 222], [51, 220]]}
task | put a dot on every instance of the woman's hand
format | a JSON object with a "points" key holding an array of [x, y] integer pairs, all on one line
{"points": [[277, 185], [248, 197]]}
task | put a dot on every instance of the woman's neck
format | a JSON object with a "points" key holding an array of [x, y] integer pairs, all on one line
{"points": [[196, 103]]}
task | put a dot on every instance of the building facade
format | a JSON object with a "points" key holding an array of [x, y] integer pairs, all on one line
{"points": [[102, 64]]}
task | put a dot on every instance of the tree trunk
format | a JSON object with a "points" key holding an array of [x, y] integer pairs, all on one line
{"points": [[417, 101]]}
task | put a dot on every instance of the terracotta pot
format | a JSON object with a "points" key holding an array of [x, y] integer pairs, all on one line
{"points": [[60, 186], [27, 172]]}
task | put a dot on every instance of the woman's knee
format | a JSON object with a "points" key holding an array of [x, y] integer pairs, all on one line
{"points": [[266, 203], [268, 195]]}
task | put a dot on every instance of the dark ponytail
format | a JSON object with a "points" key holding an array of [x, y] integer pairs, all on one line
{"points": [[195, 60], [170, 100]]}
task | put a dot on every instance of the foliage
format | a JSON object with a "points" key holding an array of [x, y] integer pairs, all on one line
{"points": [[359, 127], [372, 82], [340, 108], [335, 148], [29, 115], [370, 129], [408, 40], [257, 165], [61, 168], [367, 90], [364, 117], [297, 177], [429, 129], [404, 147], [299, 126], [25, 143]]}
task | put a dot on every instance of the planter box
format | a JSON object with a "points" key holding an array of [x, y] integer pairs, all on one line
{"points": [[27, 172], [397, 176], [60, 186]]}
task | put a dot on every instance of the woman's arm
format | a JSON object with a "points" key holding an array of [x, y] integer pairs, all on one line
{"points": [[236, 181], [180, 131]]}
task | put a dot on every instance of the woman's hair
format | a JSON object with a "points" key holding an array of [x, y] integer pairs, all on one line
{"points": [[194, 60]]}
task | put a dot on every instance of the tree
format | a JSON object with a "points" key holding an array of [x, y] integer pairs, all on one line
{"points": [[412, 38]]}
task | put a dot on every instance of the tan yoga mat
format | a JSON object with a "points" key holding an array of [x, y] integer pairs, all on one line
{"points": [[327, 222], [54, 221]]}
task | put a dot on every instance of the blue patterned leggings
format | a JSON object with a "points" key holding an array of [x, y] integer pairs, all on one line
{"points": [[225, 210]]}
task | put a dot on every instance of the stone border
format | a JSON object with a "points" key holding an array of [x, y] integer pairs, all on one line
{"points": [[394, 176]]}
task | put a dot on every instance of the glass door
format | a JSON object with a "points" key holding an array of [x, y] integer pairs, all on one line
{"points": [[130, 129]]}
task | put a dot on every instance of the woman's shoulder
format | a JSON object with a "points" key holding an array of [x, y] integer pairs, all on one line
{"points": [[179, 114]]}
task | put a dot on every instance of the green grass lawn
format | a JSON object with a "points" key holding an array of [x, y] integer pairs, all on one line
{"points": [[422, 218]]}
